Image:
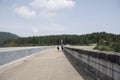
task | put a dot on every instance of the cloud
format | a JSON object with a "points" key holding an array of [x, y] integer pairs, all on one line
{"points": [[24, 11], [53, 4], [45, 8]]}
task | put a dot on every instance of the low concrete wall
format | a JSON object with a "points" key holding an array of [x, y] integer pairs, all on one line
{"points": [[9, 56], [99, 66]]}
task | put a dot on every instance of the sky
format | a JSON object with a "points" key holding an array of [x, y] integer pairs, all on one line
{"points": [[53, 17]]}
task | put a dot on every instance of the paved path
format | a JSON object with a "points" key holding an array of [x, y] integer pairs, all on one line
{"points": [[50, 65]]}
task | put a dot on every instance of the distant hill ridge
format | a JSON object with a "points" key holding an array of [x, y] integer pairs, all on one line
{"points": [[85, 39], [7, 36]]}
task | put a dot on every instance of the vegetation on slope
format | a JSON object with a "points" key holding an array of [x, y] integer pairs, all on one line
{"points": [[6, 36], [104, 41]]}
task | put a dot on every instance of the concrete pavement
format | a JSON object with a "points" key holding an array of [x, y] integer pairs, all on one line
{"points": [[50, 65]]}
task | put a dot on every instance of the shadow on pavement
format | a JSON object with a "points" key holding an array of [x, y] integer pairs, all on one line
{"points": [[79, 67]]}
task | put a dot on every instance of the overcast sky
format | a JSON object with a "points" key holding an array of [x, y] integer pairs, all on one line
{"points": [[50, 17]]}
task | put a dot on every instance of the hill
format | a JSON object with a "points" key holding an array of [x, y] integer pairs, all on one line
{"points": [[104, 41], [7, 36]]}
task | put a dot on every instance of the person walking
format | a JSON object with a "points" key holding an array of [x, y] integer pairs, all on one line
{"points": [[61, 47], [58, 48]]}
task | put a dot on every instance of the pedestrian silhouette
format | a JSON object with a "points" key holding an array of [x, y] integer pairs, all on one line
{"points": [[61, 47], [58, 48]]}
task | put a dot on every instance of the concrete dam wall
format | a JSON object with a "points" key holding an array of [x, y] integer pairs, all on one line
{"points": [[101, 65], [9, 56]]}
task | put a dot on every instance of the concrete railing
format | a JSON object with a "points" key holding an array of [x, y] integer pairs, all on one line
{"points": [[101, 65], [9, 56]]}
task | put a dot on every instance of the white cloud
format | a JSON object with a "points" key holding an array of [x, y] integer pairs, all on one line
{"points": [[47, 8], [24, 11], [53, 4]]}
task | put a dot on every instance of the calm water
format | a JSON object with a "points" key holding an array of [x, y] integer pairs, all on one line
{"points": [[9, 56]]}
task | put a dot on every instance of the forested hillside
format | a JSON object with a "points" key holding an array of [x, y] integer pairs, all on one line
{"points": [[6, 36], [104, 41]]}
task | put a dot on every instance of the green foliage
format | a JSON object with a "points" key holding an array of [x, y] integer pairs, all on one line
{"points": [[116, 46], [103, 48], [104, 41], [6, 36], [108, 46]]}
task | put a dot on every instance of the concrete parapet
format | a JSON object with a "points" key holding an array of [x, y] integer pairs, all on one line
{"points": [[103, 66]]}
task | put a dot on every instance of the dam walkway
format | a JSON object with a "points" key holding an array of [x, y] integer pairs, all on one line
{"points": [[50, 65]]}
